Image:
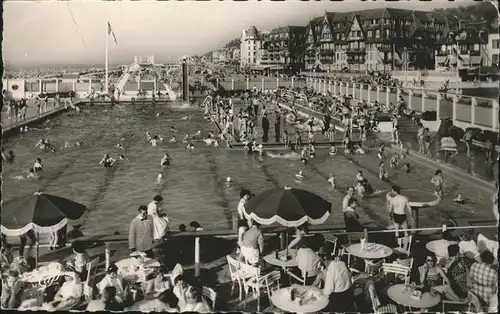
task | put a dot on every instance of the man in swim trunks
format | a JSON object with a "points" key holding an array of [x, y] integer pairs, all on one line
{"points": [[399, 210]]}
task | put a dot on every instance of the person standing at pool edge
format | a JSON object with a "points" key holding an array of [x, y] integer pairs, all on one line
{"points": [[399, 210], [140, 236]]}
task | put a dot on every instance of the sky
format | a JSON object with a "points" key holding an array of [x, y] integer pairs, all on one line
{"points": [[74, 32]]}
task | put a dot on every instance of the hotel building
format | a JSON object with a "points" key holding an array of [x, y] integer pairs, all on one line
{"points": [[283, 48]]}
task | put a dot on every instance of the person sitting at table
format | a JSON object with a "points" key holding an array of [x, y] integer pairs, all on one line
{"points": [[483, 278], [351, 217], [337, 286], [6, 257], [166, 302], [180, 290], [253, 244], [300, 231], [430, 273], [195, 302], [70, 293], [80, 259], [468, 246], [309, 264], [12, 289], [440, 247], [107, 302], [112, 279], [458, 268], [42, 303]]}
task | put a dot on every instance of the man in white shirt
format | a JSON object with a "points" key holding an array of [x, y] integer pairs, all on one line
{"points": [[399, 210], [244, 197], [337, 279], [309, 264]]}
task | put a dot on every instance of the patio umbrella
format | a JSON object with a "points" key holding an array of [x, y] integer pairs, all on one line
{"points": [[289, 207], [43, 213]]}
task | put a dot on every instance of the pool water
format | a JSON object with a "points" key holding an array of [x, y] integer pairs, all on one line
{"points": [[195, 186]]}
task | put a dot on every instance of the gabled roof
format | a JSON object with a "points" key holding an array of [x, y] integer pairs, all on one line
{"points": [[288, 28]]}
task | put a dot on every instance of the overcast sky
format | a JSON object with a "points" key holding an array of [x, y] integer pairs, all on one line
{"points": [[73, 32]]}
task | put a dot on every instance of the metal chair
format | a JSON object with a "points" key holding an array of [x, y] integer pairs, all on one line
{"points": [[234, 271], [209, 294]]}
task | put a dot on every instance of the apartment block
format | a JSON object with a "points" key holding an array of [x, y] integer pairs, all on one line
{"points": [[283, 48]]}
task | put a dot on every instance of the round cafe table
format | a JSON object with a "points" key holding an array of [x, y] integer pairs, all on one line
{"points": [[398, 294], [371, 251], [135, 269], [418, 199], [271, 259], [281, 299]]}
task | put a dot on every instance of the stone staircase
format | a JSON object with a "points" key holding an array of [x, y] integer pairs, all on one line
{"points": [[406, 125]]}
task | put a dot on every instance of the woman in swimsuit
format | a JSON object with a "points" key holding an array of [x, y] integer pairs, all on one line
{"points": [[333, 150]]}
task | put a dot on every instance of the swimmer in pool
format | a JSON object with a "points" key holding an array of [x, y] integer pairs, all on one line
{"points": [[172, 129], [67, 144], [78, 144], [299, 176], [186, 139], [148, 136], [332, 180], [159, 178], [38, 166], [190, 146], [9, 157], [119, 146], [122, 139], [42, 143], [122, 157], [173, 140], [154, 141], [32, 174], [107, 161], [165, 161], [333, 150]]}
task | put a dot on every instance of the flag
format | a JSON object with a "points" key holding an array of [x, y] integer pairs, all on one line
{"points": [[110, 32]]}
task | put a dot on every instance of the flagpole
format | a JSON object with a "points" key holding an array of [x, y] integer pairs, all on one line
{"points": [[106, 62]]}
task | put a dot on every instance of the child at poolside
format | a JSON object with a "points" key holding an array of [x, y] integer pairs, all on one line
{"points": [[333, 150], [304, 155], [286, 139], [394, 161], [298, 139], [438, 182], [382, 174], [380, 151], [332, 180], [312, 151]]}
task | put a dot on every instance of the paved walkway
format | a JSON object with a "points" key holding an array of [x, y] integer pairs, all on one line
{"points": [[12, 122]]}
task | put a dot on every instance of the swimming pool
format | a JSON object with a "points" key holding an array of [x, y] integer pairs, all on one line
{"points": [[195, 185]]}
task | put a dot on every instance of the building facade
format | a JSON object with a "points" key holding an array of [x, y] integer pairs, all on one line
{"points": [[284, 48], [250, 47], [374, 40], [493, 49], [462, 48]]}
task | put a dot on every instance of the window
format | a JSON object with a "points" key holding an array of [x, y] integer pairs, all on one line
{"points": [[476, 47], [370, 34], [387, 33], [494, 59], [443, 48], [377, 33], [495, 43]]}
